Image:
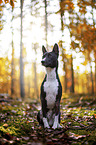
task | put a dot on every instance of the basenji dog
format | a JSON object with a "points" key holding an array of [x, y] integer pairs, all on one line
{"points": [[51, 91]]}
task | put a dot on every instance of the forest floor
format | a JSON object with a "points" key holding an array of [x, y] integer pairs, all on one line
{"points": [[18, 122]]}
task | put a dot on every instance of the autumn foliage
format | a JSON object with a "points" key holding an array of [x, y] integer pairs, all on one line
{"points": [[11, 2], [82, 28], [77, 44], [78, 17]]}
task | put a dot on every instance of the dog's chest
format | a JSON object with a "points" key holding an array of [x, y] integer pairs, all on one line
{"points": [[51, 89]]}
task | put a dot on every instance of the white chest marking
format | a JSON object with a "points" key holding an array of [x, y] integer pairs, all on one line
{"points": [[51, 87]]}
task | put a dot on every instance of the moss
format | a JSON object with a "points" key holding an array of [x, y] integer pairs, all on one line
{"points": [[21, 119], [11, 130]]}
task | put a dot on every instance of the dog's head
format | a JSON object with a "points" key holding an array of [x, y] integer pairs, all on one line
{"points": [[50, 59]]}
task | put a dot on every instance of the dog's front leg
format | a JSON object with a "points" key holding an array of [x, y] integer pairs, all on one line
{"points": [[56, 123], [45, 121], [46, 125]]}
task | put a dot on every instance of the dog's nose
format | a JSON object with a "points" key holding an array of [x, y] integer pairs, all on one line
{"points": [[43, 60]]}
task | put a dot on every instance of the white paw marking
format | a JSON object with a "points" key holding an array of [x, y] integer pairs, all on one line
{"points": [[46, 125], [55, 125]]}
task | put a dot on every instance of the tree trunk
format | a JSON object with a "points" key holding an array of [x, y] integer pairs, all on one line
{"points": [[72, 72], [29, 86], [22, 91], [87, 84], [46, 23], [63, 53], [94, 23], [35, 80], [65, 76], [91, 75], [12, 65], [35, 75], [92, 80], [12, 71], [95, 72]]}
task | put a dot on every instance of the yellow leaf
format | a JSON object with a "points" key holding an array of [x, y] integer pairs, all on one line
{"points": [[6, 1], [0, 8], [85, 62], [12, 3], [95, 48], [1, 1], [86, 71], [78, 67], [68, 56], [5, 125], [27, 122], [95, 115]]}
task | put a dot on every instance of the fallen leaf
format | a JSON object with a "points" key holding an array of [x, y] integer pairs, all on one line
{"points": [[27, 122], [77, 127], [49, 142], [8, 136], [76, 136], [25, 138], [55, 139], [13, 111], [11, 141], [69, 115], [95, 115], [5, 125], [59, 132]]}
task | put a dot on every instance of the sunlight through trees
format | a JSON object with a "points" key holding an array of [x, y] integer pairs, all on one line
{"points": [[27, 25]]}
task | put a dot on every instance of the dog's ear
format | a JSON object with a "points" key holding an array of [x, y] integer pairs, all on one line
{"points": [[44, 49], [56, 49]]}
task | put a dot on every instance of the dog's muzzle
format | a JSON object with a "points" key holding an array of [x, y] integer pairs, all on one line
{"points": [[43, 60]]}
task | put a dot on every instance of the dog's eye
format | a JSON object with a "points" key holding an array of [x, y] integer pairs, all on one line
{"points": [[44, 55], [49, 55]]}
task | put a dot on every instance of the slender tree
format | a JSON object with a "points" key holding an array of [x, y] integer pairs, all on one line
{"points": [[72, 73], [91, 76], [95, 71], [62, 49], [94, 26], [22, 91], [66, 5], [87, 34], [35, 73], [46, 23], [81, 29], [72, 70], [12, 62]]}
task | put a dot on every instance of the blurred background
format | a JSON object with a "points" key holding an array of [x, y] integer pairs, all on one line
{"points": [[26, 25]]}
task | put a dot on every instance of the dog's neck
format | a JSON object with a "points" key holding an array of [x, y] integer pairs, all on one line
{"points": [[51, 74]]}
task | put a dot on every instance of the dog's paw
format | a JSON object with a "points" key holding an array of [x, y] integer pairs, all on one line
{"points": [[59, 126], [46, 125], [54, 126]]}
